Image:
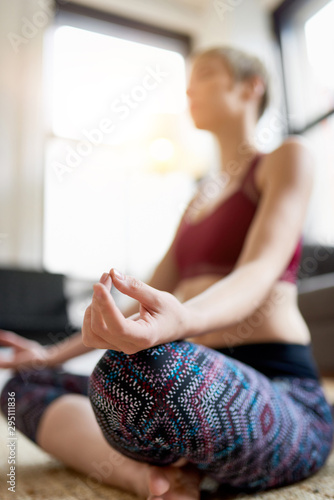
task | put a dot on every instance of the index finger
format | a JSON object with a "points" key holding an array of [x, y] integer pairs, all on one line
{"points": [[12, 339]]}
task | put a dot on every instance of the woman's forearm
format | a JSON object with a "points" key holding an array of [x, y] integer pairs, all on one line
{"points": [[73, 346], [68, 348], [228, 301]]}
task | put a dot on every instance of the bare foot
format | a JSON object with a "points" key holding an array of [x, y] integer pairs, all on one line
{"points": [[174, 483]]}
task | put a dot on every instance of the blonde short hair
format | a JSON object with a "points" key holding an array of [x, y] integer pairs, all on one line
{"points": [[242, 66]]}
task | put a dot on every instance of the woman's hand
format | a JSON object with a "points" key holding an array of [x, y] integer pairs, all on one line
{"points": [[27, 353], [161, 318]]}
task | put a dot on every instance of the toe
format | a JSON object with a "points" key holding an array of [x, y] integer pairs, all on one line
{"points": [[158, 482]]}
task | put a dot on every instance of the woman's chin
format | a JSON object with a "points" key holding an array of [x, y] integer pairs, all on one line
{"points": [[201, 124]]}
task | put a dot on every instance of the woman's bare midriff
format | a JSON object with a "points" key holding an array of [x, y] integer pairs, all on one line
{"points": [[277, 319]]}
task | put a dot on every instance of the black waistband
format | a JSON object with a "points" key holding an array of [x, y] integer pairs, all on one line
{"points": [[276, 358]]}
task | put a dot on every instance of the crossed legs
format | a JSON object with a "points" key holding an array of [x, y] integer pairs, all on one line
{"points": [[227, 419], [68, 430], [144, 412], [53, 411]]}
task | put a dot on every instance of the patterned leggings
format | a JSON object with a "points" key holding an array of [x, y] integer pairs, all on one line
{"points": [[181, 399]]}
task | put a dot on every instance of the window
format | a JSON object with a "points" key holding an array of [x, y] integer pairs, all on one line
{"points": [[306, 38], [119, 169]]}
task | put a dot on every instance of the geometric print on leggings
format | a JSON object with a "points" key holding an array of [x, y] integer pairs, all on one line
{"points": [[240, 427]]}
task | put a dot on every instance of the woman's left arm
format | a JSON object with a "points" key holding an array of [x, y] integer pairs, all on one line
{"points": [[271, 239], [269, 245]]}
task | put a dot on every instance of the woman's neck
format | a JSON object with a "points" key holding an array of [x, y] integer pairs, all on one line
{"points": [[237, 149]]}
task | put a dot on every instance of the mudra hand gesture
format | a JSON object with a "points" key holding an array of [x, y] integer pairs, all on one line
{"points": [[161, 318]]}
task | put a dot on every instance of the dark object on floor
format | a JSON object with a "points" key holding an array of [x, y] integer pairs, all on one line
{"points": [[33, 304], [316, 299]]}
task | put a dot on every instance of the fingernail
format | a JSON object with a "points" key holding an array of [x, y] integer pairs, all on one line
{"points": [[119, 275], [104, 277]]}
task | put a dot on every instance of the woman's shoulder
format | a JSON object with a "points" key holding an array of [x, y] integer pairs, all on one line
{"points": [[293, 157], [292, 143]]}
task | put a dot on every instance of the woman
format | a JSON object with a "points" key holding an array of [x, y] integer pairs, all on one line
{"points": [[214, 374]]}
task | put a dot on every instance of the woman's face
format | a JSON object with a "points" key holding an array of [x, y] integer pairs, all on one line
{"points": [[214, 97]]}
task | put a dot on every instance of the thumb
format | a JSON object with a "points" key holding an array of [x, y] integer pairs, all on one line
{"points": [[145, 294]]}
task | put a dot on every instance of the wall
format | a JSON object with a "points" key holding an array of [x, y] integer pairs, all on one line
{"points": [[165, 13], [21, 137]]}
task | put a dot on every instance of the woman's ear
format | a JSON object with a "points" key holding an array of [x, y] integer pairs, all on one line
{"points": [[258, 86], [254, 87]]}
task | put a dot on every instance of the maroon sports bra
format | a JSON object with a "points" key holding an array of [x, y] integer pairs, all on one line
{"points": [[213, 244]]}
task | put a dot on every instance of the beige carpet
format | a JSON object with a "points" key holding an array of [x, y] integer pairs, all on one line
{"points": [[41, 477]]}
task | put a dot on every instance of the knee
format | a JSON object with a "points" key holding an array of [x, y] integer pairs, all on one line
{"points": [[146, 372], [117, 371], [131, 395]]}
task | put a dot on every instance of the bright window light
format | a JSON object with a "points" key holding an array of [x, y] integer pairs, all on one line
{"points": [[162, 149], [319, 35], [96, 77], [109, 102]]}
